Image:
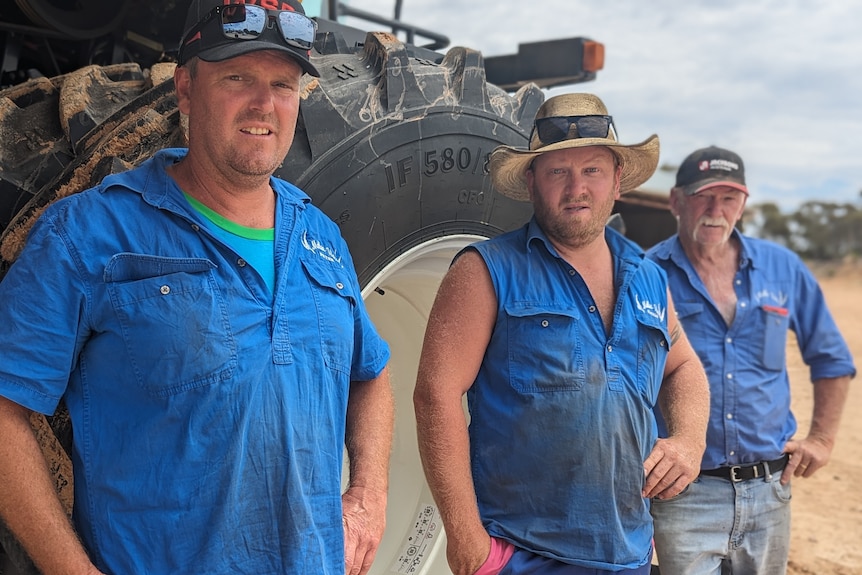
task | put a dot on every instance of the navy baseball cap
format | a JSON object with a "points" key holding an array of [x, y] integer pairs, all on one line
{"points": [[217, 30], [710, 167]]}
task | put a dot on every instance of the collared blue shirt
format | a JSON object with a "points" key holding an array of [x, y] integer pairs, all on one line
{"points": [[208, 415], [561, 411], [750, 418]]}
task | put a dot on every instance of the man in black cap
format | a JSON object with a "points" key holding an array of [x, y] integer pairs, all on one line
{"points": [[203, 322], [737, 297]]}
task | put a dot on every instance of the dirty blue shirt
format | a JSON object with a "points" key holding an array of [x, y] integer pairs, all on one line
{"points": [[208, 415], [561, 412], [750, 418]]}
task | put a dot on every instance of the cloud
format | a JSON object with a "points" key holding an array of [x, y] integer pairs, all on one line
{"points": [[779, 82]]}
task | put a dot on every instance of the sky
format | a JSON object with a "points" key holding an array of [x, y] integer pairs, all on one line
{"points": [[778, 82]]}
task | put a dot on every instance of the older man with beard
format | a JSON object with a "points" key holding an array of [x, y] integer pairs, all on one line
{"points": [[563, 336], [737, 297]]}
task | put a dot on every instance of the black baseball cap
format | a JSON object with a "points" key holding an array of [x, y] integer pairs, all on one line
{"points": [[203, 34], [710, 167]]}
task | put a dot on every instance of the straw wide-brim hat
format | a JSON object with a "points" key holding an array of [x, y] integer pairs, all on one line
{"points": [[508, 165]]}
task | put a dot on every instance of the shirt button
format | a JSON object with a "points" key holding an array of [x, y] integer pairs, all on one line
{"points": [[241, 262], [196, 227], [729, 376], [732, 453], [729, 340], [592, 309], [742, 304], [572, 272], [738, 282], [730, 416], [544, 323], [165, 290], [339, 285], [610, 348], [662, 343]]}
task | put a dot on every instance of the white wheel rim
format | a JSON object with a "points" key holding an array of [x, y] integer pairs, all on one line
{"points": [[414, 542]]}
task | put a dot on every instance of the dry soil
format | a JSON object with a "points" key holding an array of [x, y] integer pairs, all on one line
{"points": [[826, 527]]}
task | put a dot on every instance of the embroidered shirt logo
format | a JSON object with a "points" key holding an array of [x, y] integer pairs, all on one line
{"points": [[651, 309], [314, 246], [779, 298]]}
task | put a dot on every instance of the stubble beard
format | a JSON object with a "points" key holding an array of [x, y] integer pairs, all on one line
{"points": [[571, 232], [252, 165], [255, 162]]}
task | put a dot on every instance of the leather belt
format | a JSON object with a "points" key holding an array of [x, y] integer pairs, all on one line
{"points": [[737, 473]]}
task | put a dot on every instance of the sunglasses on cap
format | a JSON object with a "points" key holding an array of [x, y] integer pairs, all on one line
{"points": [[248, 22], [555, 129]]}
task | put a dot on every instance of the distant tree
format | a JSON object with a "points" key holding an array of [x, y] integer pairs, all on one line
{"points": [[849, 232], [828, 231], [772, 224], [816, 231]]}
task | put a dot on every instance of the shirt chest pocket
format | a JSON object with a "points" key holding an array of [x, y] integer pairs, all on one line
{"points": [[173, 321], [689, 315], [774, 323], [335, 301], [544, 348]]}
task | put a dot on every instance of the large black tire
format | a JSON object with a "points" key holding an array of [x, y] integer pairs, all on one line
{"points": [[399, 148], [391, 147]]}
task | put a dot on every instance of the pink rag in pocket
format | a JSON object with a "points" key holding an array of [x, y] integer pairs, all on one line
{"points": [[501, 552], [782, 311]]}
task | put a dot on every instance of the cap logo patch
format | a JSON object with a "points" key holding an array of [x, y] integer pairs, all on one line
{"points": [[724, 165], [268, 4]]}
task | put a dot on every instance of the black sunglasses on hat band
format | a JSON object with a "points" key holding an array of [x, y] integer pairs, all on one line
{"points": [[248, 22], [555, 129]]}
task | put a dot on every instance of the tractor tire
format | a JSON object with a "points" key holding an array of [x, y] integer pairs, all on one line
{"points": [[393, 148]]}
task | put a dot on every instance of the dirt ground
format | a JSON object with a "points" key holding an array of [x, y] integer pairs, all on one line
{"points": [[826, 527]]}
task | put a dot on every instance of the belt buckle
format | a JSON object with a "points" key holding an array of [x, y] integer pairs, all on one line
{"points": [[733, 473]]}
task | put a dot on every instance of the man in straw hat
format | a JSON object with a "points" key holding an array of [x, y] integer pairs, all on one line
{"points": [[204, 324], [564, 338], [737, 298]]}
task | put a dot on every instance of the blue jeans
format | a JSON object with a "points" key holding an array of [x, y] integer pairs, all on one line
{"points": [[524, 562], [717, 527]]}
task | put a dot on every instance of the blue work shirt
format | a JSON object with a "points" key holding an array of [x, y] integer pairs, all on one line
{"points": [[208, 417], [750, 418], [561, 412]]}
